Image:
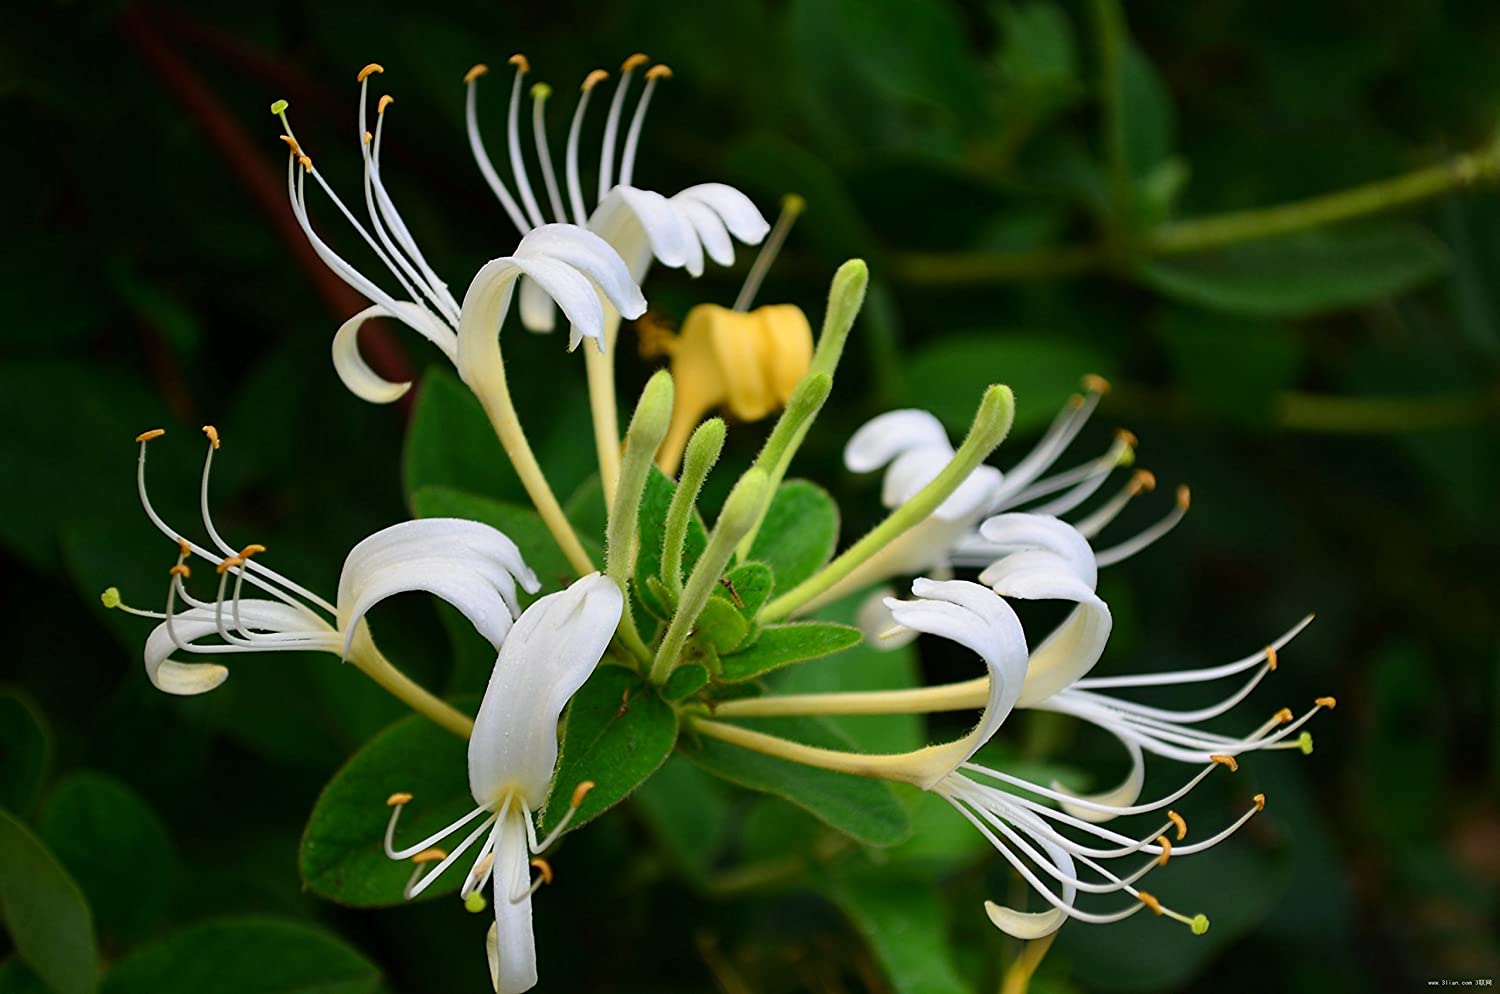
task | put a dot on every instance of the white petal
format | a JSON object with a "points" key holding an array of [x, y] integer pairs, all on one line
{"points": [[1040, 531], [175, 677], [627, 213], [512, 953], [886, 436], [1025, 924], [537, 310], [550, 652], [357, 375], [710, 228], [590, 255], [740, 214], [471, 565]]}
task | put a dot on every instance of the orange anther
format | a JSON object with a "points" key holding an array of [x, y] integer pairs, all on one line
{"points": [[544, 868], [475, 72], [180, 570], [1283, 716], [1184, 497], [147, 436], [369, 137], [433, 855], [593, 79], [1128, 437], [369, 70], [635, 60], [1094, 383], [1327, 702], [292, 144], [1260, 802], [1149, 901], [580, 792], [520, 62], [384, 102], [213, 435], [305, 162], [1166, 850], [1180, 822], [253, 549], [397, 799], [228, 564], [186, 547], [1229, 761], [1143, 482], [659, 72], [1271, 659]]}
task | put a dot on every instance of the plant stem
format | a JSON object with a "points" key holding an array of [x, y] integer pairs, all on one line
{"points": [[373, 664], [647, 428], [1215, 231], [991, 423], [968, 695], [880, 767], [702, 452], [1018, 976], [735, 519], [1109, 36], [599, 367]]}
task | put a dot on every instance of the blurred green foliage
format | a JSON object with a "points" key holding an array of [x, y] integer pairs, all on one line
{"points": [[1029, 182]]}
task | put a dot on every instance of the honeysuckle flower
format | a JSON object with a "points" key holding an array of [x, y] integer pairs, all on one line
{"points": [[472, 566], [569, 264], [913, 447], [641, 225], [554, 646]]}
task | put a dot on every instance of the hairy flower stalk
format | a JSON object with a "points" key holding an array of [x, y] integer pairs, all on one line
{"points": [[639, 224], [647, 428], [472, 566]]}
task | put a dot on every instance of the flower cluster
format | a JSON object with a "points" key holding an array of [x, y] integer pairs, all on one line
{"points": [[949, 512]]}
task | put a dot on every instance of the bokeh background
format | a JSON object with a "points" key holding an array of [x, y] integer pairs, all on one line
{"points": [[1015, 174]]}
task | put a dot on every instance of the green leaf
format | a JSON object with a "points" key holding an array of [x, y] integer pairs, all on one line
{"points": [[616, 732], [449, 442], [1307, 273], [246, 956], [342, 856], [655, 500], [25, 753], [748, 587], [89, 821], [782, 645], [685, 681], [688, 812], [1044, 371], [904, 926], [866, 810], [45, 913], [1203, 345], [799, 533], [17, 978], [585, 508], [523, 525], [719, 626]]}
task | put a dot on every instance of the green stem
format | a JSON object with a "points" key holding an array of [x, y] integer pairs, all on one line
{"points": [[1109, 35], [1380, 415], [702, 452], [1216, 231], [991, 423], [739, 513], [647, 428]]}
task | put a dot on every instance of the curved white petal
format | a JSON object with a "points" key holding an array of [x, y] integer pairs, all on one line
{"points": [[511, 944], [739, 213], [471, 565], [488, 299], [975, 618], [1015, 531], [350, 364], [537, 310], [186, 679], [1036, 924], [590, 255], [710, 229], [642, 225], [550, 652], [887, 435]]}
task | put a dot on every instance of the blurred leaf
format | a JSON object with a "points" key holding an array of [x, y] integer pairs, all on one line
{"points": [[1038, 52], [1230, 366], [903, 923], [865, 810], [948, 377], [45, 913], [1412, 764], [688, 812], [799, 533], [782, 645], [17, 978], [521, 525], [25, 753], [342, 856], [616, 732], [246, 956], [1146, 105], [449, 443], [92, 821], [1307, 273]]}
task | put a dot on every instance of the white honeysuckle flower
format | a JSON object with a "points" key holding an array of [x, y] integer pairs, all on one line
{"points": [[562, 260], [471, 565], [550, 652], [914, 447], [641, 225]]}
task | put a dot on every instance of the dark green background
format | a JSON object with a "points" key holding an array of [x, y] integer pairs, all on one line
{"points": [[146, 282]]}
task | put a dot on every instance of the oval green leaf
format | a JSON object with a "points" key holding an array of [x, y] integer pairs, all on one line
{"points": [[799, 533], [782, 645], [45, 913]]}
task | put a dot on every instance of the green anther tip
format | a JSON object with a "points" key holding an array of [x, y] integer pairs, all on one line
{"points": [[1199, 924], [1304, 742], [279, 107], [111, 597], [1127, 457], [540, 91], [793, 204], [475, 903]]}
